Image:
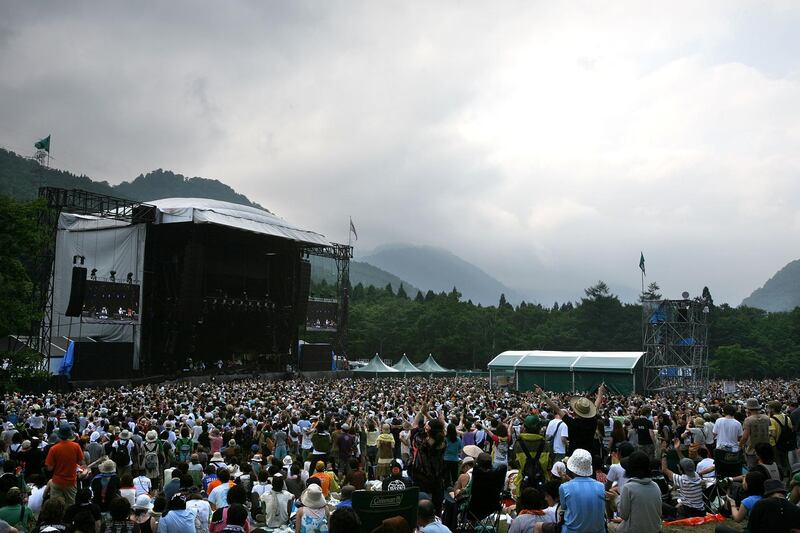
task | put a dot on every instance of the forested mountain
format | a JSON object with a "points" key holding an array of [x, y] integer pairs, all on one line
{"points": [[439, 270], [21, 178], [780, 293]]}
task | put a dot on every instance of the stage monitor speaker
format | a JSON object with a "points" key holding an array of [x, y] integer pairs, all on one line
{"points": [[77, 292], [303, 288]]}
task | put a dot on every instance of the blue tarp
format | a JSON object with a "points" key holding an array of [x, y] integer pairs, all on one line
{"points": [[659, 315], [66, 363]]}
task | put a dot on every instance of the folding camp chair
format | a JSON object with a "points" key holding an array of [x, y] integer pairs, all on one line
{"points": [[713, 495], [373, 507], [481, 511]]}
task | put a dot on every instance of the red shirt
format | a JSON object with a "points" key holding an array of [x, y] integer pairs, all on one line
{"points": [[64, 458]]}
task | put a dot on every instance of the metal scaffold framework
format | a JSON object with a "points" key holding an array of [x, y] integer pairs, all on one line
{"points": [[675, 342], [77, 201], [341, 254]]}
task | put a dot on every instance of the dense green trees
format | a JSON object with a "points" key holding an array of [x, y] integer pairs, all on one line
{"points": [[744, 342]]}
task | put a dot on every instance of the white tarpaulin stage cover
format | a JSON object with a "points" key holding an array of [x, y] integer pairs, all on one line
{"points": [[108, 244]]}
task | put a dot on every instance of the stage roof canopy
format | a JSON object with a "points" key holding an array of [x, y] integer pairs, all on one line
{"points": [[205, 211], [575, 361]]}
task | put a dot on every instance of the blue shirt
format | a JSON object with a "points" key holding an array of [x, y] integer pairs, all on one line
{"points": [[436, 527], [181, 521], [345, 504], [750, 501], [583, 501], [452, 449]]}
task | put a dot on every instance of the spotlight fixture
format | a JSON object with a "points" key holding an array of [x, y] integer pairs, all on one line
{"points": [[129, 279], [113, 275]]}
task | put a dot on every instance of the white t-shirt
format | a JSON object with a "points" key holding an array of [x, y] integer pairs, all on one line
{"points": [[728, 432], [563, 431], [617, 473], [202, 511], [703, 464], [142, 484]]}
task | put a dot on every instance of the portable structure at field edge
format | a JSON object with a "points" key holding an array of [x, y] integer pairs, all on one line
{"points": [[622, 372]]}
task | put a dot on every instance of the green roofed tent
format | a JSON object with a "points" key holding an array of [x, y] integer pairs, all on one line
{"points": [[405, 366], [570, 371], [430, 366], [376, 367]]}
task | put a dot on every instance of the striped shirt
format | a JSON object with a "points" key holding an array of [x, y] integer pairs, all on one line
{"points": [[691, 490]]}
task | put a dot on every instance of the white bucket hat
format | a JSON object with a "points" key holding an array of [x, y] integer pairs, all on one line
{"points": [[580, 463], [312, 497]]}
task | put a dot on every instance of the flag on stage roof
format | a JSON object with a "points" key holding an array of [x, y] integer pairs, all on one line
{"points": [[353, 229], [43, 144], [641, 262]]}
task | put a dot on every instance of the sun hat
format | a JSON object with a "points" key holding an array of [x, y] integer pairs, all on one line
{"points": [[345, 427], [637, 465], [583, 407], [94, 437], [467, 461], [470, 450], [256, 458], [151, 436], [287, 460], [771, 486], [312, 497], [143, 503], [26, 444], [108, 467], [752, 405], [775, 405], [532, 423], [216, 458], [124, 434], [699, 422], [65, 432], [232, 443], [580, 463]]}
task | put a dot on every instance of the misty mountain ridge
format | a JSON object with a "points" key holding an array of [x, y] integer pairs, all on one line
{"points": [[781, 292], [437, 269], [21, 178]]}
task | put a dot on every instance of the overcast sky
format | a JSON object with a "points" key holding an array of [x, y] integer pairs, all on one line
{"points": [[546, 142]]}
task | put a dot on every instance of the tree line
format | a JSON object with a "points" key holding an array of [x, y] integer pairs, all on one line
{"points": [[744, 342]]}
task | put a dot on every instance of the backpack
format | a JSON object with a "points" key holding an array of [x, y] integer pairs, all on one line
{"points": [[787, 440], [532, 473], [184, 447], [122, 455], [151, 462]]}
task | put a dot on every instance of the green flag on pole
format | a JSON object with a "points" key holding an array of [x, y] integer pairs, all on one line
{"points": [[43, 144], [641, 262]]}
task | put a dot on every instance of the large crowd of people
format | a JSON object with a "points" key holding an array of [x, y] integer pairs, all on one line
{"points": [[292, 455]]}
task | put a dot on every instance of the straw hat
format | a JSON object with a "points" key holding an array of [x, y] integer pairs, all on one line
{"points": [[583, 407], [124, 434], [151, 436], [471, 450], [287, 461], [580, 463], [312, 497], [26, 445], [108, 467], [216, 458]]}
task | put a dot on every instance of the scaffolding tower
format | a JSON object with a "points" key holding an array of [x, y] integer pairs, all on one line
{"points": [[675, 342]]}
